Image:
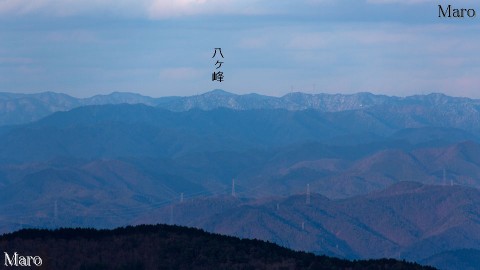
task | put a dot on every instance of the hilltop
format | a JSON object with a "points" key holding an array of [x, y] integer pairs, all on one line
{"points": [[170, 247]]}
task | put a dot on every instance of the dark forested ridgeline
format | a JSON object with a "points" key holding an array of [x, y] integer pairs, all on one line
{"points": [[163, 247]]}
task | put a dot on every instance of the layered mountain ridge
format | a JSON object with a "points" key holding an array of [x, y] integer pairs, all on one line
{"points": [[24, 108], [399, 174]]}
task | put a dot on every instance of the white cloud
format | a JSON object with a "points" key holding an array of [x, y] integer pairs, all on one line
{"points": [[81, 36], [181, 73], [156, 9], [160, 9], [66, 7], [15, 60], [254, 42], [414, 2], [400, 1], [165, 9], [306, 41], [359, 36]]}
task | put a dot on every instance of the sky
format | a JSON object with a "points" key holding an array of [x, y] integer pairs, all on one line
{"points": [[164, 48]]}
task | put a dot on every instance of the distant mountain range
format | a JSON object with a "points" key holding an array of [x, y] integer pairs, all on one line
{"points": [[167, 247], [110, 131], [24, 108]]}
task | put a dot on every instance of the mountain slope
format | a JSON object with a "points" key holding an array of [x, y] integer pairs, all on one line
{"points": [[110, 192], [407, 220], [133, 130]]}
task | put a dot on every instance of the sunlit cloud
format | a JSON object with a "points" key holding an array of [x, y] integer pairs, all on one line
{"points": [[167, 9], [156, 9]]}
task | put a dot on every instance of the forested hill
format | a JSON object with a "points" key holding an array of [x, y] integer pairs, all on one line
{"points": [[168, 247]]}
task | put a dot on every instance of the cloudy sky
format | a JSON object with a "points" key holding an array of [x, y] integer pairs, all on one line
{"points": [[161, 48]]}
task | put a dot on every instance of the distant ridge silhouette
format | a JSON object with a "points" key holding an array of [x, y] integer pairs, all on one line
{"points": [[23, 108]]}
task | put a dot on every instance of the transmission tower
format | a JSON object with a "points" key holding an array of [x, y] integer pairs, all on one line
{"points": [[55, 214], [233, 187], [171, 215], [444, 177], [181, 197], [308, 194]]}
